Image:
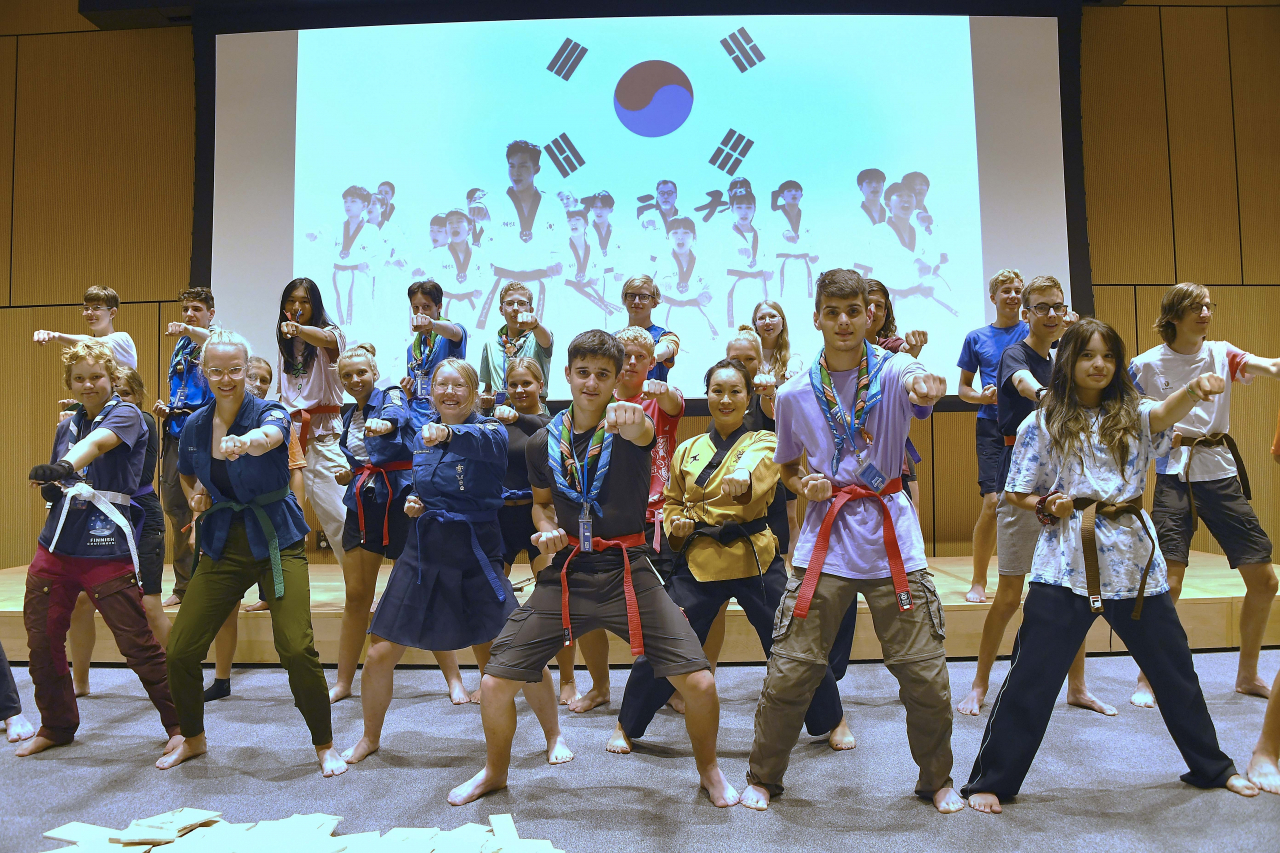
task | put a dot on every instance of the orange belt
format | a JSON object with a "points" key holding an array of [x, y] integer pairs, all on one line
{"points": [[365, 472], [635, 540], [896, 567], [303, 416], [1010, 440]]}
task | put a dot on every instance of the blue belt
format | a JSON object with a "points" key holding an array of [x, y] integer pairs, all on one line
{"points": [[470, 519], [517, 494]]}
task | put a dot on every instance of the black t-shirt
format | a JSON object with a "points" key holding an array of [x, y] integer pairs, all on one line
{"points": [[623, 499], [518, 435], [1011, 407], [755, 419], [153, 451]]}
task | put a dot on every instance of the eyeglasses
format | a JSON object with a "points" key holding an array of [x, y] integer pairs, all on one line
{"points": [[460, 387], [1206, 306], [666, 193], [94, 309], [636, 297], [516, 303], [216, 373], [1044, 310]]}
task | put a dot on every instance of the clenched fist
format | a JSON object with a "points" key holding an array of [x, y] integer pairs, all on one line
{"points": [[377, 426], [549, 543], [413, 506], [766, 384], [653, 389], [626, 419], [176, 330], [290, 328], [343, 476], [527, 320], [199, 501], [816, 487], [506, 414], [987, 396], [234, 446], [433, 433], [42, 337], [1060, 506], [422, 324], [916, 341], [681, 527], [1207, 385], [736, 484], [927, 389]]}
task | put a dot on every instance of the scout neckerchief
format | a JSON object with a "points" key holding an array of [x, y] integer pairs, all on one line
{"points": [[569, 473], [582, 258], [754, 241], [526, 216], [867, 395], [433, 339], [683, 273], [603, 237], [78, 418], [460, 261], [509, 347], [794, 223], [723, 447], [349, 237]]}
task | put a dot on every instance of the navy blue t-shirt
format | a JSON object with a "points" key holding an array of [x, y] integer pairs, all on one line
{"points": [[981, 355], [1013, 407]]}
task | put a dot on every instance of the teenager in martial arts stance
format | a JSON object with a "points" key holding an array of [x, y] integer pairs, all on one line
{"points": [[1202, 477], [1022, 381], [309, 344], [714, 513], [448, 590], [376, 439], [640, 296], [521, 336], [234, 465], [848, 419], [87, 544], [590, 475], [1080, 464], [434, 340]]}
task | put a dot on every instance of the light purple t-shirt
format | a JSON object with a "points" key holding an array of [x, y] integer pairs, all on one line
{"points": [[856, 548]]}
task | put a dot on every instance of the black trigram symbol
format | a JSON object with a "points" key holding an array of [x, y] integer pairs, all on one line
{"points": [[564, 155], [566, 60], [741, 49], [733, 148]]}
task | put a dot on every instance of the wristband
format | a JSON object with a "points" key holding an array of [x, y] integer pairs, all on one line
{"points": [[1040, 392], [1045, 517], [1191, 393]]}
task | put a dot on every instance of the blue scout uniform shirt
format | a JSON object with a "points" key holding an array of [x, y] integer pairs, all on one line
{"points": [[188, 389], [87, 531], [389, 405], [465, 473], [250, 476], [420, 407], [659, 370]]}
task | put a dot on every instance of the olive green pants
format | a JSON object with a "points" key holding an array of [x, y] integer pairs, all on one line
{"points": [[215, 590], [911, 642]]}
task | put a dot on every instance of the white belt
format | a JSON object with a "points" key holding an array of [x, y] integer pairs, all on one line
{"points": [[105, 501]]}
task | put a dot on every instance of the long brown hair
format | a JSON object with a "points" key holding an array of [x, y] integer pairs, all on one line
{"points": [[1067, 420], [781, 347]]}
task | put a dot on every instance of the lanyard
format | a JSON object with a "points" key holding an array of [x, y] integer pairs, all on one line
{"points": [[868, 394], [510, 348], [424, 359], [564, 469]]}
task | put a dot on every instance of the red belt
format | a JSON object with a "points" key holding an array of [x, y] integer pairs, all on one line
{"points": [[365, 471], [896, 567], [1010, 440], [635, 540], [303, 416]]}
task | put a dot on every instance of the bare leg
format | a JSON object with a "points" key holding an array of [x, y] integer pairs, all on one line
{"points": [[1078, 692], [498, 712], [157, 618], [914, 488], [702, 720], [1007, 599], [1264, 766], [188, 749], [712, 648], [80, 638], [360, 575], [1143, 696], [375, 695], [542, 699], [984, 545], [448, 662], [1260, 590], [565, 659], [595, 652], [481, 652]]}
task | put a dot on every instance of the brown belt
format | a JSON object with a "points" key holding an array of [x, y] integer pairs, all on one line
{"points": [[1217, 439], [1088, 540], [1010, 440]]}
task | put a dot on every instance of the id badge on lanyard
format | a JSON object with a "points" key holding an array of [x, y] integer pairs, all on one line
{"points": [[421, 385], [584, 529], [869, 474]]}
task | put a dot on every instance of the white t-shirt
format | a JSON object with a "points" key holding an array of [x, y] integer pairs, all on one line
{"points": [[1160, 371], [122, 349], [795, 364]]}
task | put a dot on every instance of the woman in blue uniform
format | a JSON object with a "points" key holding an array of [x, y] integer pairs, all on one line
{"points": [[447, 590]]}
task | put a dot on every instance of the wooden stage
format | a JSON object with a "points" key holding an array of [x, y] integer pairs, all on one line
{"points": [[1210, 611]]}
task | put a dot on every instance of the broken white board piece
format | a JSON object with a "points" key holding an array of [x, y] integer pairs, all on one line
{"points": [[180, 820], [411, 834], [139, 834], [77, 832], [360, 842], [517, 845], [504, 827]]}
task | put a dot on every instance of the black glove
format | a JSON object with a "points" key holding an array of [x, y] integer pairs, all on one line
{"points": [[51, 492], [59, 470]]}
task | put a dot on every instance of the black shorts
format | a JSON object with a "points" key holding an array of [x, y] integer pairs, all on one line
{"points": [[397, 528], [990, 449], [1222, 506], [518, 528]]}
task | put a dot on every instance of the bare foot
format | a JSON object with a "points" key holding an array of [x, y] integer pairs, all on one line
{"points": [[1237, 784], [331, 763], [568, 692], [172, 744], [476, 787], [256, 607], [19, 729], [362, 750], [81, 687], [458, 694], [619, 743], [722, 794], [1254, 686], [593, 698], [172, 601], [677, 703], [1089, 702], [189, 748], [1142, 696], [841, 738], [972, 704], [475, 697], [988, 803], [558, 752], [755, 798], [1264, 772], [338, 692], [948, 801], [36, 744], [976, 594]]}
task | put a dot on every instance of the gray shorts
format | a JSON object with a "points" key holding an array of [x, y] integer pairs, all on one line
{"points": [[1017, 532]]}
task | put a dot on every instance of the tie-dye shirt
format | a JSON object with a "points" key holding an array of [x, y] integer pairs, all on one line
{"points": [[1122, 548]]}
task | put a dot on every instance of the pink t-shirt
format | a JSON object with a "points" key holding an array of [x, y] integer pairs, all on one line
{"points": [[319, 386], [664, 427]]}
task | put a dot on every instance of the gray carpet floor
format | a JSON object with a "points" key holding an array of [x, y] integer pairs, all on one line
{"points": [[1097, 784]]}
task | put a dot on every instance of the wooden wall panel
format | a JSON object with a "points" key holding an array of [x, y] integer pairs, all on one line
{"points": [[1255, 82], [105, 147], [1126, 151], [31, 426], [20, 17], [955, 483], [1202, 156], [1114, 306], [8, 67]]}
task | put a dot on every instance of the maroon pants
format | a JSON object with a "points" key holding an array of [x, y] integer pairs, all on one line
{"points": [[53, 583]]}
